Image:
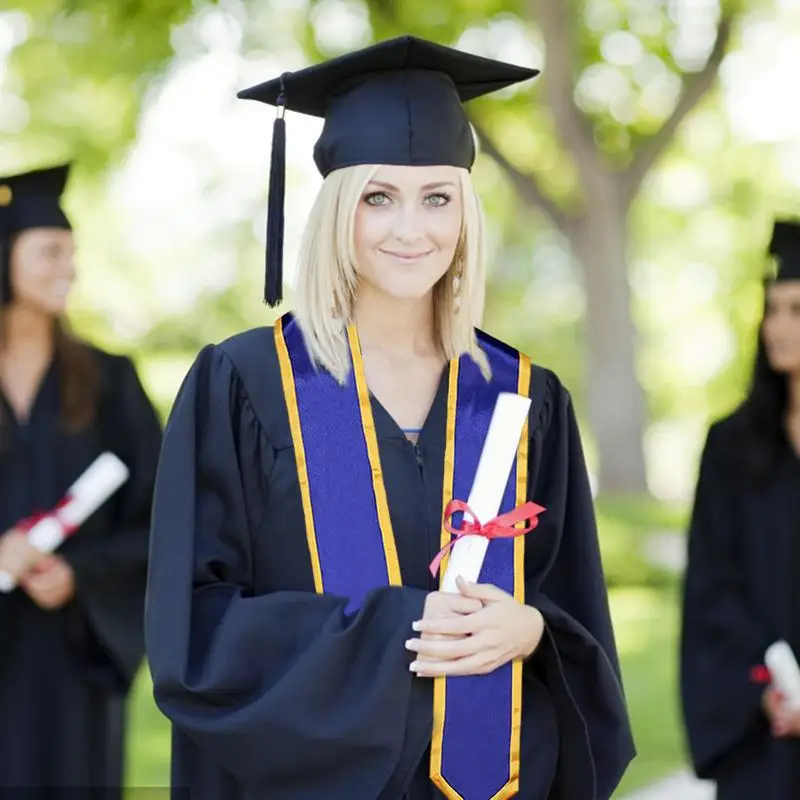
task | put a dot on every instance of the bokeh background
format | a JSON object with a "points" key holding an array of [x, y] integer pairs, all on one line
{"points": [[630, 193]]}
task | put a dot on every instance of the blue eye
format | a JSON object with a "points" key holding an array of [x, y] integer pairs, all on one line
{"points": [[438, 200], [376, 199]]}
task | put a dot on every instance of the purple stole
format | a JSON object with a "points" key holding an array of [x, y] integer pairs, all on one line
{"points": [[475, 748]]}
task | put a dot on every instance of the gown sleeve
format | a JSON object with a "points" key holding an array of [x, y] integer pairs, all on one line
{"points": [[577, 658], [721, 640], [111, 568], [285, 691]]}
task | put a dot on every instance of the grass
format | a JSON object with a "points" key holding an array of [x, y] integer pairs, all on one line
{"points": [[646, 626]]}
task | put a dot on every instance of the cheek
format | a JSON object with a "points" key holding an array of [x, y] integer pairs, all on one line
{"points": [[371, 228], [445, 229]]}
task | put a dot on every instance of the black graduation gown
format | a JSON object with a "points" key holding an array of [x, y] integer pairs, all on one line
{"points": [[740, 596], [64, 673], [273, 692]]}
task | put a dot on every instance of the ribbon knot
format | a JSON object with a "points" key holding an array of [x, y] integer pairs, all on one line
{"points": [[26, 524], [500, 527]]}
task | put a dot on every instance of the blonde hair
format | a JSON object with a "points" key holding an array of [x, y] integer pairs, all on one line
{"points": [[328, 278]]}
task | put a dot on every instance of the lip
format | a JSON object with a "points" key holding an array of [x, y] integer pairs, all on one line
{"points": [[406, 257]]}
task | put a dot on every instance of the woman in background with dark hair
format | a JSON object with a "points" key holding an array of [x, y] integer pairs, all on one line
{"points": [[741, 587], [71, 634]]}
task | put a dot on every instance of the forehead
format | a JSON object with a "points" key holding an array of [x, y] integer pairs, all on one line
{"points": [[784, 292], [408, 178], [46, 237]]}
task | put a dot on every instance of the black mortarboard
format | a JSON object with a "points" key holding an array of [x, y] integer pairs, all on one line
{"points": [[785, 248], [396, 102], [29, 200]]}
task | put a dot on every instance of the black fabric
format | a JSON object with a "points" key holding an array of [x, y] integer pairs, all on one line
{"points": [[64, 674], [785, 247], [740, 596], [274, 692], [395, 102]]}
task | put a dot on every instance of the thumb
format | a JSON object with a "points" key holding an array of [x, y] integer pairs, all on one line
{"points": [[485, 592]]}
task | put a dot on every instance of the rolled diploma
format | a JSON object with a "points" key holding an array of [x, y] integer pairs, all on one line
{"points": [[785, 672], [488, 486], [100, 480]]}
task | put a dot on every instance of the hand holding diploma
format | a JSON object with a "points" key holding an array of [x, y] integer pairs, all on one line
{"points": [[782, 698], [477, 643], [17, 554], [477, 640], [21, 549]]}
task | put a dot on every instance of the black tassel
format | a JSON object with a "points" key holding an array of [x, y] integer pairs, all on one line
{"points": [[273, 283]]}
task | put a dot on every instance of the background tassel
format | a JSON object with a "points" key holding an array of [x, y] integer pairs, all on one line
{"points": [[273, 283]]}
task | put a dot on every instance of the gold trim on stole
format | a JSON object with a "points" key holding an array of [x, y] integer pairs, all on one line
{"points": [[511, 788], [371, 438], [439, 685]]}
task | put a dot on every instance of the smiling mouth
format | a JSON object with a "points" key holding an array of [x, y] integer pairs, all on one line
{"points": [[406, 256]]}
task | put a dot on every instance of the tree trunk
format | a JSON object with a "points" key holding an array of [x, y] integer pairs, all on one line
{"points": [[615, 397]]}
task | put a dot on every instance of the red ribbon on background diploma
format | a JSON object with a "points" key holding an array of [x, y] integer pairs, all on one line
{"points": [[25, 525], [761, 674], [501, 527]]}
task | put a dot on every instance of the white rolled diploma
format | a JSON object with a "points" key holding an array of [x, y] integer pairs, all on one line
{"points": [[100, 480], [785, 673], [494, 467]]}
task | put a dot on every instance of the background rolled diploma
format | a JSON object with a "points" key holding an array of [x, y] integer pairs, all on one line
{"points": [[494, 467], [100, 480], [785, 672]]}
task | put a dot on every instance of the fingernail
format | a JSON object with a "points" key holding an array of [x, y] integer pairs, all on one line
{"points": [[411, 644], [413, 666], [416, 626]]}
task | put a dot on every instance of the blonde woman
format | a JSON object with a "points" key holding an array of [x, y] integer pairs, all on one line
{"points": [[296, 632]]}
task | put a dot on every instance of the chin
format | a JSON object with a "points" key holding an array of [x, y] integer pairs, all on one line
{"points": [[785, 366], [405, 289], [54, 308]]}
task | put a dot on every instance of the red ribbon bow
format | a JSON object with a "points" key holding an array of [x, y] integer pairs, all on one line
{"points": [[25, 525], [501, 527]]}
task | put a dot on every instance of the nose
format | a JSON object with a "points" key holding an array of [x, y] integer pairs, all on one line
{"points": [[408, 225]]}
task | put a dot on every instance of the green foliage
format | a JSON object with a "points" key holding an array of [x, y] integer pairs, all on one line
{"points": [[84, 69], [627, 528]]}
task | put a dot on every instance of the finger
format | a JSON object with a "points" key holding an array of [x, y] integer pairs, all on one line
{"points": [[485, 592], [477, 664], [458, 604], [446, 649], [446, 626]]}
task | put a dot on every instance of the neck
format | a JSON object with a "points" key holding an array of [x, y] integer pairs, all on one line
{"points": [[396, 327], [26, 330]]}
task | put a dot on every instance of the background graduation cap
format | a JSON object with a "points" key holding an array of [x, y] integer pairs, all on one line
{"points": [[785, 247], [29, 200], [396, 102]]}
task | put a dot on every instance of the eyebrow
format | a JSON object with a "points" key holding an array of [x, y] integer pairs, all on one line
{"points": [[390, 187]]}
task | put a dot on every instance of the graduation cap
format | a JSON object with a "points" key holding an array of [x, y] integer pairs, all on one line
{"points": [[785, 247], [396, 102], [29, 200]]}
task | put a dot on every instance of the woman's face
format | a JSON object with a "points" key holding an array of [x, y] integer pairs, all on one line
{"points": [[42, 269], [781, 327], [407, 227]]}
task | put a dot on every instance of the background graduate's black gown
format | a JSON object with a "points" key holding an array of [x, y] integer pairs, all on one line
{"points": [[273, 691], [740, 595], [64, 673]]}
